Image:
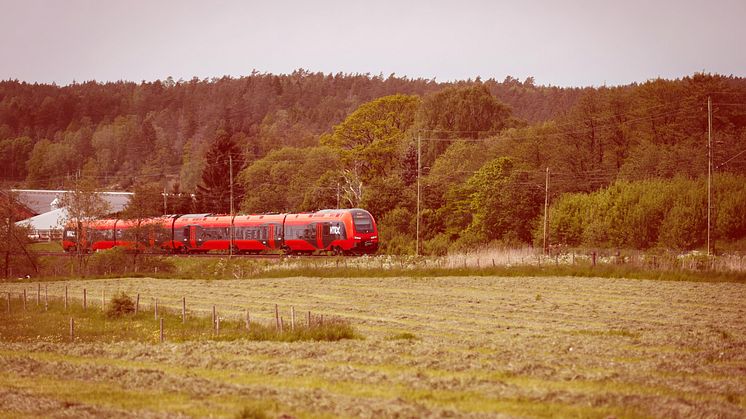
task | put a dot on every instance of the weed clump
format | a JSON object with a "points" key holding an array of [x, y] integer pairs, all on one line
{"points": [[403, 336], [251, 412], [121, 305]]}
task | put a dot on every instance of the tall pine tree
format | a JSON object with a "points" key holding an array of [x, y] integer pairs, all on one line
{"points": [[213, 194]]}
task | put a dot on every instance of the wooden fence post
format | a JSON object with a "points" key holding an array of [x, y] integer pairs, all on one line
{"points": [[217, 326], [161, 329], [248, 320], [183, 310], [72, 329], [65, 297], [308, 320], [277, 317], [321, 321], [214, 318], [137, 304], [155, 311], [292, 317], [281, 325], [85, 302]]}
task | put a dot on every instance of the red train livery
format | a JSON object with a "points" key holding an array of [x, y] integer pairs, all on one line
{"points": [[339, 231]]}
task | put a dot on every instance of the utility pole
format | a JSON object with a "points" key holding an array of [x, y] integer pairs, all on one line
{"points": [[230, 170], [546, 212], [709, 173], [419, 153]]}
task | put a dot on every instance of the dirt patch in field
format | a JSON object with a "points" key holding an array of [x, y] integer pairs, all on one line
{"points": [[433, 347]]}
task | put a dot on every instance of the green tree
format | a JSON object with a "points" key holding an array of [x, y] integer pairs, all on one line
{"points": [[371, 139], [214, 193], [13, 238], [14, 152], [291, 179], [83, 204], [459, 112], [504, 203]]}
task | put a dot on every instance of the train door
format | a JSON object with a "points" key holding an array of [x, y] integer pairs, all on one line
{"points": [[193, 236], [271, 236], [322, 232]]}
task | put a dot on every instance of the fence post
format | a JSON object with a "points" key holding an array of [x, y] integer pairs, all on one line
{"points": [[65, 297], [46, 297], [281, 325], [72, 329], [137, 304], [217, 326], [593, 257], [183, 310], [213, 317], [277, 317], [85, 302], [248, 320], [161, 329], [292, 318], [309, 319], [155, 311]]}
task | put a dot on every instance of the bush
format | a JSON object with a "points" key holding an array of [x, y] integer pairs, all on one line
{"points": [[251, 412], [121, 304]]}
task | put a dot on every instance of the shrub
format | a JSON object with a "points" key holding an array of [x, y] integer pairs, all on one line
{"points": [[121, 304], [251, 412]]}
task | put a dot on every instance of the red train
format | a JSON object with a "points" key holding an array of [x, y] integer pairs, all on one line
{"points": [[339, 231]]}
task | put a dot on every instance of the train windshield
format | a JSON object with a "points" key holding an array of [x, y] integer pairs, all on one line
{"points": [[363, 222]]}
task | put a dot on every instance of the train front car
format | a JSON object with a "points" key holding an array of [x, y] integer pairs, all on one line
{"points": [[340, 231], [365, 237]]}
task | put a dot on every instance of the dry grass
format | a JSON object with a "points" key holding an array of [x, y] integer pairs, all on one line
{"points": [[464, 346]]}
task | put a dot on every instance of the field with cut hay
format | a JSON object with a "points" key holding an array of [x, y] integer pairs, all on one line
{"points": [[427, 347]]}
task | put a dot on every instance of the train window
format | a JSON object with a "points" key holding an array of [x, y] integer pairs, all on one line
{"points": [[70, 233], [363, 223]]}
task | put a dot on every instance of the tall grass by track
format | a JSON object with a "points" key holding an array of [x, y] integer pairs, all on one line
{"points": [[517, 264]]}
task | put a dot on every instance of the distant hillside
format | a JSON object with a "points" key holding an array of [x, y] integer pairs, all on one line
{"points": [[138, 131]]}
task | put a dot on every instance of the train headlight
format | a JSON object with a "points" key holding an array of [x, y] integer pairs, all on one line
{"points": [[373, 237], [356, 237]]}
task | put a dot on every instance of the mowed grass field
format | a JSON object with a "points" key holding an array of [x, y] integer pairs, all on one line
{"points": [[430, 347]]}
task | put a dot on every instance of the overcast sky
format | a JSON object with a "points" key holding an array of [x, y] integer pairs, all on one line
{"points": [[562, 42]]}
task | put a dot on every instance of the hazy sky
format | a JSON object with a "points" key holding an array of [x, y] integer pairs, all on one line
{"points": [[566, 43]]}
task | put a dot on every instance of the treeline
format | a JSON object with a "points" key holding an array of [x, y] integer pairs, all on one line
{"points": [[128, 132]]}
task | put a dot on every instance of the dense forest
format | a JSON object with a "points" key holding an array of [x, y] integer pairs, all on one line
{"points": [[306, 140]]}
